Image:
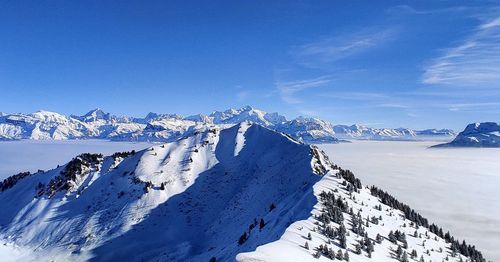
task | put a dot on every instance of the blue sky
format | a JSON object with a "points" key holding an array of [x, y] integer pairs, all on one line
{"points": [[417, 64]]}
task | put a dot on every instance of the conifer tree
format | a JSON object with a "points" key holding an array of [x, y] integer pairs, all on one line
{"points": [[358, 249], [262, 224], [404, 257], [340, 255], [399, 252], [413, 254], [243, 239], [346, 256], [379, 238]]}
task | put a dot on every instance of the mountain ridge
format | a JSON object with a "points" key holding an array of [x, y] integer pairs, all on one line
{"points": [[485, 134], [154, 127]]}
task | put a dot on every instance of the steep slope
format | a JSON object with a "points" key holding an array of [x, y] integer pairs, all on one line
{"points": [[485, 134], [245, 193]]}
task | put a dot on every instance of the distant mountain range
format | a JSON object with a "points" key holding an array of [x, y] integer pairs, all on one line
{"points": [[485, 134], [97, 124]]}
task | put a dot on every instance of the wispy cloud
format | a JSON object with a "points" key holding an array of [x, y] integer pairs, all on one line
{"points": [[334, 48], [387, 105], [411, 10], [473, 106], [288, 90], [473, 63], [362, 96]]}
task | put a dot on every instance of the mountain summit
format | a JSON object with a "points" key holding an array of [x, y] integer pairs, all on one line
{"points": [[95, 115]]}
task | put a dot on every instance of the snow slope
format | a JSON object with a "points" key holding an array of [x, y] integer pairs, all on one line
{"points": [[291, 246], [485, 134], [98, 124], [244, 192]]}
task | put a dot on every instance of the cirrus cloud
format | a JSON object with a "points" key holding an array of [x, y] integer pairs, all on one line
{"points": [[473, 63]]}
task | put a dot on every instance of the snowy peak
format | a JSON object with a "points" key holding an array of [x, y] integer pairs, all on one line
{"points": [[94, 115], [248, 113], [200, 118], [48, 116], [485, 134], [309, 130]]}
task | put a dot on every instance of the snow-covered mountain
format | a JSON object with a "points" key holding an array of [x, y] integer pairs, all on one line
{"points": [[368, 133], [244, 193], [485, 134], [309, 130], [97, 124]]}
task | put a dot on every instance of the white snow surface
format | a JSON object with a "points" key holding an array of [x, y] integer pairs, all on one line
{"points": [[191, 200], [290, 247]]}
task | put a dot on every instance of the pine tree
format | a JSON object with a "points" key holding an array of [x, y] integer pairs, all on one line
{"points": [[399, 252], [262, 224], [369, 247], [346, 256], [379, 238], [343, 240], [243, 239], [309, 236], [306, 245], [414, 254], [358, 249], [340, 255], [404, 258], [392, 237], [405, 244]]}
